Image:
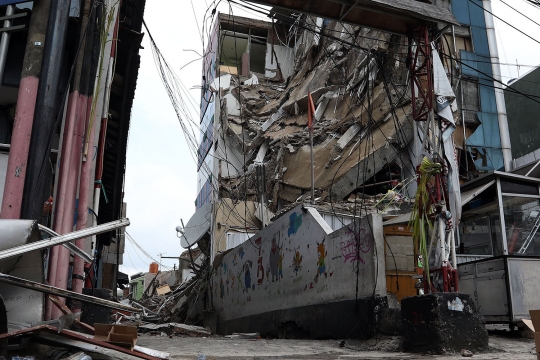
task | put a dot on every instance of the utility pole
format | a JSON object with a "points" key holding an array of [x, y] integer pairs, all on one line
{"points": [[46, 110], [311, 116], [24, 112], [4, 43], [45, 118]]}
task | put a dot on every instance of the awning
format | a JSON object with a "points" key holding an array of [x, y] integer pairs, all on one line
{"points": [[197, 226], [468, 195]]}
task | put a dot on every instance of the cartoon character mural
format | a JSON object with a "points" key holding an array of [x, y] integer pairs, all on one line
{"points": [[297, 262], [295, 221], [260, 267], [280, 262], [321, 267], [275, 258], [221, 289], [247, 275]]}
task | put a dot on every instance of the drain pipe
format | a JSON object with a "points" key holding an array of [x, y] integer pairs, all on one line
{"points": [[24, 112], [499, 94], [70, 159]]}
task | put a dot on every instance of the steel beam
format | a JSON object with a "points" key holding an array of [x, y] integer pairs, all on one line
{"points": [[59, 240], [71, 247], [51, 290]]}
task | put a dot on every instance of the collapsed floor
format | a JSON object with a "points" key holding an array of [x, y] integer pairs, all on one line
{"points": [[363, 121]]}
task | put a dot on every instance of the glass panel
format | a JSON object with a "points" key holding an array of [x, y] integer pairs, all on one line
{"points": [[517, 187], [521, 217], [496, 234], [475, 235]]}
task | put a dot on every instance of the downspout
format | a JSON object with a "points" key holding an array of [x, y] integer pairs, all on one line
{"points": [[46, 111], [4, 43], [499, 94], [24, 112], [96, 109], [101, 152], [70, 160]]}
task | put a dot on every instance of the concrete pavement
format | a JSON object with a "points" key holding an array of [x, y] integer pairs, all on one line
{"points": [[385, 347]]}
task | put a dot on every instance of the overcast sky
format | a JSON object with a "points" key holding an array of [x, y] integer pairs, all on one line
{"points": [[161, 174]]}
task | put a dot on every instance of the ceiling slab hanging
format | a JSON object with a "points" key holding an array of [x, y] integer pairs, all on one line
{"points": [[395, 16]]}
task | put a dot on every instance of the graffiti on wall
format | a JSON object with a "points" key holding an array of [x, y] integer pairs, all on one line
{"points": [[358, 242]]}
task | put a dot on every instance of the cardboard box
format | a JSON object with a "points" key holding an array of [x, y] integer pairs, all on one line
{"points": [[162, 290], [534, 325], [119, 335]]}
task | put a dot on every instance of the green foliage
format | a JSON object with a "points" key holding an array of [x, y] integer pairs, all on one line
{"points": [[419, 221]]}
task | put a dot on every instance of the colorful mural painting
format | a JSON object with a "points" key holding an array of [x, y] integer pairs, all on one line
{"points": [[318, 265]]}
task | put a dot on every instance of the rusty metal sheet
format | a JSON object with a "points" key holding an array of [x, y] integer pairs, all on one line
{"points": [[47, 289], [75, 336]]}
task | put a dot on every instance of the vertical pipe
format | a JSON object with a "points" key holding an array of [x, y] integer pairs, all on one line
{"points": [[24, 112], [70, 164], [442, 242], [4, 43], [502, 221], [97, 111], [499, 93], [46, 110], [453, 249]]}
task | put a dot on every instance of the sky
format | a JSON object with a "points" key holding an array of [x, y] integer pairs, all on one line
{"points": [[161, 175]]}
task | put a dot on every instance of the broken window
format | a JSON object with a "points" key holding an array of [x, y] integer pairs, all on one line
{"points": [[243, 50]]}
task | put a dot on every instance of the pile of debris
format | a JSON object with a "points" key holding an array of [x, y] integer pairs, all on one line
{"points": [[180, 303], [363, 121]]}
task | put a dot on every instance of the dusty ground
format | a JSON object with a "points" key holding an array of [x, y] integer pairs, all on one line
{"points": [[387, 347]]}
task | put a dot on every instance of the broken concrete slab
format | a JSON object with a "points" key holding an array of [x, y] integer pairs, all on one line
{"points": [[442, 323], [342, 175], [190, 329], [348, 136], [253, 80], [233, 106], [221, 83], [277, 115]]}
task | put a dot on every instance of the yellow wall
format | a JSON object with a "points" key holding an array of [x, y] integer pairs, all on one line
{"points": [[231, 215]]}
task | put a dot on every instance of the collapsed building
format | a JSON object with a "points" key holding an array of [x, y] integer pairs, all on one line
{"points": [[254, 152], [255, 156]]}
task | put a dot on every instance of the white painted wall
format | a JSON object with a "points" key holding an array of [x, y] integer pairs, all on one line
{"points": [[297, 261], [237, 238], [231, 159], [285, 58]]}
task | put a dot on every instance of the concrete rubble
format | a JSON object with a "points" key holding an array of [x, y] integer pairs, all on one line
{"points": [[363, 120]]}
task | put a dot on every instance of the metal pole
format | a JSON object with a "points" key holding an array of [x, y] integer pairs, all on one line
{"points": [[61, 239], [4, 43], [311, 116], [8, 279], [46, 110], [24, 112], [499, 93], [312, 166]]}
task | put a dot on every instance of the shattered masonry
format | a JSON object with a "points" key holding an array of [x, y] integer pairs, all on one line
{"points": [[362, 115]]}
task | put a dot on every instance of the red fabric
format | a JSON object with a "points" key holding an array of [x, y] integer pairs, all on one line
{"points": [[311, 111]]}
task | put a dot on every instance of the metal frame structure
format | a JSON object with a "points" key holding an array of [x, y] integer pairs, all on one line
{"points": [[421, 74]]}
